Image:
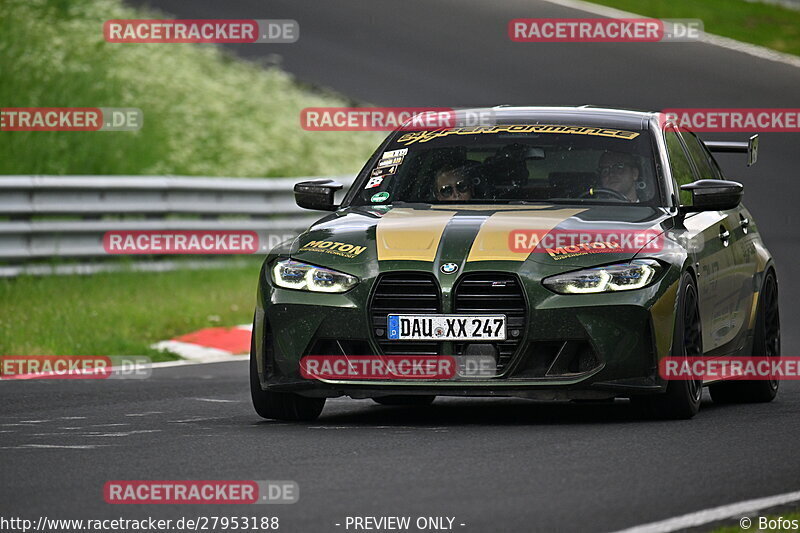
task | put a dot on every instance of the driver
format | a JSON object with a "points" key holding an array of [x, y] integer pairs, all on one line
{"points": [[453, 184], [619, 172]]}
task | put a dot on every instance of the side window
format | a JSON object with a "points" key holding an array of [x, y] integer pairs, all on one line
{"points": [[679, 164], [702, 159]]}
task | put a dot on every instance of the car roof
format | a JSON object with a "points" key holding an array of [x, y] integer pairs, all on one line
{"points": [[595, 116]]}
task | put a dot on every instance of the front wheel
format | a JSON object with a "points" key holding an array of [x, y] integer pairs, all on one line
{"points": [[280, 405], [682, 399]]}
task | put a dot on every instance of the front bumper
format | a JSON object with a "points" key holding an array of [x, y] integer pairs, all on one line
{"points": [[613, 343]]}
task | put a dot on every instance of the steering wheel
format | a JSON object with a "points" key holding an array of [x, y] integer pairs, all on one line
{"points": [[594, 191]]}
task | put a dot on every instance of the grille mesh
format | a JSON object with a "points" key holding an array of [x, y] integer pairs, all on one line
{"points": [[478, 293], [404, 292], [475, 293]]}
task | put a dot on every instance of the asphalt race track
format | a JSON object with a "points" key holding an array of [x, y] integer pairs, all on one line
{"points": [[495, 465]]}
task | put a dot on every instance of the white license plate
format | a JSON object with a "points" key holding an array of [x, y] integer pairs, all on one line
{"points": [[447, 327]]}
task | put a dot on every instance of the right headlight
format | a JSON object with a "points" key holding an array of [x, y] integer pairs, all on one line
{"points": [[613, 278], [291, 274]]}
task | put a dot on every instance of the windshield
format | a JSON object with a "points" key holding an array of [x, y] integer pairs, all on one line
{"points": [[513, 164]]}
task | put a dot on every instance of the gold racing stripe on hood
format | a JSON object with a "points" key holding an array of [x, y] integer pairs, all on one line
{"points": [[410, 234], [491, 243]]}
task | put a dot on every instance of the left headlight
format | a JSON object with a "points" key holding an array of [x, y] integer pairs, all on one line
{"points": [[613, 278], [291, 274]]}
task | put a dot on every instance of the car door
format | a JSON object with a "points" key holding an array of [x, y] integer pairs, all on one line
{"points": [[742, 247], [709, 235]]}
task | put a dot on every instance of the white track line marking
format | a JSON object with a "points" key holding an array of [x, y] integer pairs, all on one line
{"points": [[185, 362], [715, 514], [190, 420], [162, 364], [218, 356], [56, 434], [708, 38], [119, 434], [219, 400], [59, 446]]}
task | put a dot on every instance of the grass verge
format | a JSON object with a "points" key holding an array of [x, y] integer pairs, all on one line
{"points": [[120, 313], [205, 112], [769, 25]]}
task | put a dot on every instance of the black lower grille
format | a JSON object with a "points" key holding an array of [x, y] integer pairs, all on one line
{"points": [[339, 347], [554, 359], [408, 293], [480, 293]]}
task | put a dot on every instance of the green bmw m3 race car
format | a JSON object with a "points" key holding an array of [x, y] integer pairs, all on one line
{"points": [[554, 253]]}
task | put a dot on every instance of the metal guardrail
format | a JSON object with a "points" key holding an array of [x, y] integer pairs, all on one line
{"points": [[67, 216]]}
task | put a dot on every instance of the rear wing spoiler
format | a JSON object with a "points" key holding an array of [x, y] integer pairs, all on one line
{"points": [[749, 147]]}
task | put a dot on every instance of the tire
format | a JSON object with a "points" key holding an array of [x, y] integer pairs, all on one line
{"points": [[280, 405], [766, 343], [681, 400], [419, 401]]}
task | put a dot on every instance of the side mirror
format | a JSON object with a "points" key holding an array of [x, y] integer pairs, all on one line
{"points": [[713, 195], [316, 194]]}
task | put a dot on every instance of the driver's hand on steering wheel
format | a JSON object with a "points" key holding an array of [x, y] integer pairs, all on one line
{"points": [[596, 192]]}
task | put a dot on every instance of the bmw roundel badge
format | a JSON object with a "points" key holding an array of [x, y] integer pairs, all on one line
{"points": [[449, 268]]}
